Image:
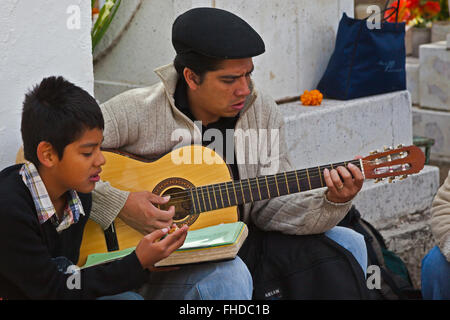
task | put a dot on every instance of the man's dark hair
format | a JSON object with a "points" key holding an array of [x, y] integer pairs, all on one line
{"points": [[198, 63], [58, 112]]}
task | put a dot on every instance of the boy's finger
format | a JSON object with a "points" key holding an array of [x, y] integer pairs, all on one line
{"points": [[176, 239], [157, 234]]}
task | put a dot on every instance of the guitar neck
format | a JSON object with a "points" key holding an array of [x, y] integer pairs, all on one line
{"points": [[232, 193]]}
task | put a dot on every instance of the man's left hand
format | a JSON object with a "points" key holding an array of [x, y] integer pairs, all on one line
{"points": [[343, 183]]}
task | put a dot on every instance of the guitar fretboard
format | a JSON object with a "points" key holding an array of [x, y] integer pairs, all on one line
{"points": [[232, 193]]}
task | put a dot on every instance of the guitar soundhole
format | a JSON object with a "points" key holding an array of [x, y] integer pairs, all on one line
{"points": [[182, 203], [179, 198]]}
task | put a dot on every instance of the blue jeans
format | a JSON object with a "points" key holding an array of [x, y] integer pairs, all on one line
{"points": [[435, 276], [128, 295], [225, 280], [230, 279], [352, 241]]}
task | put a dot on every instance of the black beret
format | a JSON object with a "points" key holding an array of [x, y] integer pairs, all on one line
{"points": [[215, 33]]}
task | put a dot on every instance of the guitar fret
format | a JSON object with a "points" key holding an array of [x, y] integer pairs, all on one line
{"points": [[228, 195], [242, 190], [276, 183], [250, 189], [215, 199], [198, 201], [320, 176], [287, 185], [209, 198], [259, 191], [193, 202], [309, 180], [203, 197], [221, 197], [268, 189], [298, 183], [235, 195]]}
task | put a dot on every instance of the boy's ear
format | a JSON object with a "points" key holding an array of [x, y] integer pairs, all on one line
{"points": [[192, 79], [46, 154]]}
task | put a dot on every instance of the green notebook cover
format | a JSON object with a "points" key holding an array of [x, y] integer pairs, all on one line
{"points": [[219, 235], [214, 236]]}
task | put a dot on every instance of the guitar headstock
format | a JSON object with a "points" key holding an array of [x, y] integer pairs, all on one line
{"points": [[401, 161]]}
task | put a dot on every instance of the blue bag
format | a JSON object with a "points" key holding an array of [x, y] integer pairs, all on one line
{"points": [[365, 61]]}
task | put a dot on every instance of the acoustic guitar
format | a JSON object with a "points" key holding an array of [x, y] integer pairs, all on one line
{"points": [[204, 194]]}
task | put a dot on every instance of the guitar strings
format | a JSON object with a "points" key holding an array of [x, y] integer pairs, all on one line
{"points": [[186, 195], [222, 187]]}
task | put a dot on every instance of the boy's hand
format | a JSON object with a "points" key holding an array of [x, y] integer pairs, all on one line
{"points": [[140, 213], [149, 251]]}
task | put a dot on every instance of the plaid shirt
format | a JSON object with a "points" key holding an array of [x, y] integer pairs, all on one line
{"points": [[44, 206]]}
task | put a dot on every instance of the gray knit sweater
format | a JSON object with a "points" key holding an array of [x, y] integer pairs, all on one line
{"points": [[142, 121], [440, 221]]}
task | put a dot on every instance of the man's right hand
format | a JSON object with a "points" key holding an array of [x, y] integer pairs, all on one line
{"points": [[140, 213]]}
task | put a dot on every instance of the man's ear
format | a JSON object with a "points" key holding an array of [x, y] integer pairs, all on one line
{"points": [[46, 154], [192, 79]]}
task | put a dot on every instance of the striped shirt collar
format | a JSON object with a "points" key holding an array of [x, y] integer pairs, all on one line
{"points": [[44, 206]]}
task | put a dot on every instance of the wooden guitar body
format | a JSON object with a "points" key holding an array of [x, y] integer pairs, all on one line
{"points": [[162, 177], [201, 189]]}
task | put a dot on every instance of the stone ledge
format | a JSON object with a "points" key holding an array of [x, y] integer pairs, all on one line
{"points": [[380, 203], [411, 238], [340, 130], [412, 78], [434, 124], [434, 76]]}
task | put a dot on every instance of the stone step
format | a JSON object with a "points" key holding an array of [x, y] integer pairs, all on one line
{"points": [[340, 130], [380, 203], [434, 76], [434, 124], [412, 79]]}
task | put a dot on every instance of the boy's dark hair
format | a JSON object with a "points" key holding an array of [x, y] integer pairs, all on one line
{"points": [[58, 112], [198, 63]]}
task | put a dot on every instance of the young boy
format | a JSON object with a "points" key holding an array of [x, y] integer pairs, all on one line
{"points": [[45, 203]]}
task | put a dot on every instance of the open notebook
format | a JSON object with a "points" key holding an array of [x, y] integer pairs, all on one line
{"points": [[219, 242]]}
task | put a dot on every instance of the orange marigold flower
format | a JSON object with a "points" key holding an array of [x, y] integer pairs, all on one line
{"points": [[311, 98]]}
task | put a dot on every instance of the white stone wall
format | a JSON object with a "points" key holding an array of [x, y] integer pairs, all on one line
{"points": [[299, 37], [39, 39]]}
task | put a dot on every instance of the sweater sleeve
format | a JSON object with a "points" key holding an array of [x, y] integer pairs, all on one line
{"points": [[107, 202], [28, 266], [120, 118], [301, 213], [440, 220]]}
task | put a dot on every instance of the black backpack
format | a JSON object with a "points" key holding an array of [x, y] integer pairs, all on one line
{"points": [[294, 267], [395, 279]]}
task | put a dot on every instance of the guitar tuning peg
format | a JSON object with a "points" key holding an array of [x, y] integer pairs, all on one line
{"points": [[388, 148], [391, 179], [373, 152], [378, 180], [400, 146], [403, 177]]}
